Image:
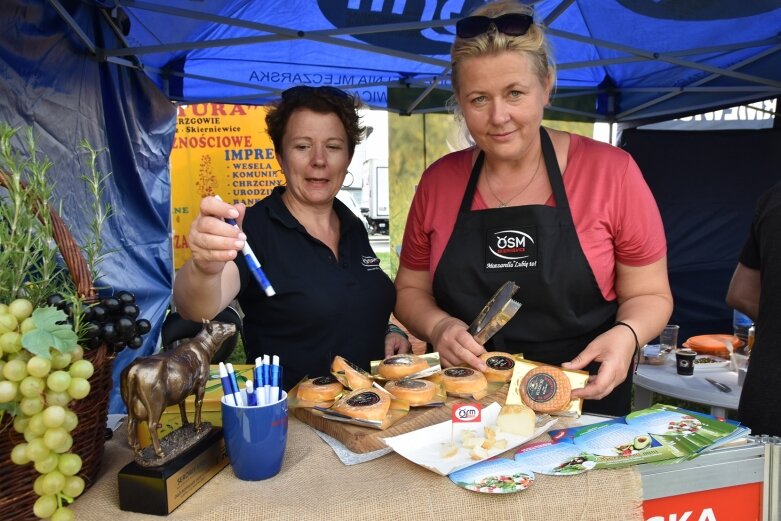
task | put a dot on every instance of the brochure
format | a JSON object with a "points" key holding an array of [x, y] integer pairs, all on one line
{"points": [[659, 434]]}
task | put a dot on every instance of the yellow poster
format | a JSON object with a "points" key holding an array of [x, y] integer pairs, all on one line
{"points": [[223, 150]]}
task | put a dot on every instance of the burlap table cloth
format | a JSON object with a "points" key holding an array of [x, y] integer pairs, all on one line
{"points": [[314, 484]]}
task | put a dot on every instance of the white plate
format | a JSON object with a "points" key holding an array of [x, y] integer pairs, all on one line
{"points": [[423, 446], [715, 364]]}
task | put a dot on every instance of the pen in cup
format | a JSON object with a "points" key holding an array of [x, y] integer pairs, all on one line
{"points": [[266, 379], [260, 392], [281, 381], [234, 385], [250, 390], [275, 379], [227, 389], [252, 262]]}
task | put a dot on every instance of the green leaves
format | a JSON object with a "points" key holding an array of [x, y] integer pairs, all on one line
{"points": [[51, 331]]}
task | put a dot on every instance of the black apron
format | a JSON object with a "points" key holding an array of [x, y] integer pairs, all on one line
{"points": [[536, 246]]}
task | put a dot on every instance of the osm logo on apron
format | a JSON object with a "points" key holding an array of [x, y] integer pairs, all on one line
{"points": [[513, 249]]}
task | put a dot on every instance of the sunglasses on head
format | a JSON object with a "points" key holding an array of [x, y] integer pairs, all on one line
{"points": [[512, 24], [306, 90]]}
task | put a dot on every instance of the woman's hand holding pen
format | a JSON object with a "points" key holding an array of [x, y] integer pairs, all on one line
{"points": [[213, 241], [455, 345], [614, 349]]}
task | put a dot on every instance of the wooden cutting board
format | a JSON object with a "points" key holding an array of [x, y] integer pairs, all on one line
{"points": [[365, 439]]}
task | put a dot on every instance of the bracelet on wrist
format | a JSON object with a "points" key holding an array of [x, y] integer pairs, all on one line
{"points": [[393, 328], [637, 342]]}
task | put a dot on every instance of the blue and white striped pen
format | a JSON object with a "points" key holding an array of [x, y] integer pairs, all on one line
{"points": [[267, 379], [252, 262], [227, 390], [260, 393], [281, 382], [274, 379], [234, 385], [250, 390]]}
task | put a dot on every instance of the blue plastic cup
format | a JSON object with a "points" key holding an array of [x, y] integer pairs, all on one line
{"points": [[255, 438]]}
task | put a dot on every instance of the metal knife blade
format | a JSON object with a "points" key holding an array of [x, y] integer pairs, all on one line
{"points": [[720, 386]]}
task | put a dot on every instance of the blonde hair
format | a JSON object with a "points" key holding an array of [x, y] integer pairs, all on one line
{"points": [[534, 43]]}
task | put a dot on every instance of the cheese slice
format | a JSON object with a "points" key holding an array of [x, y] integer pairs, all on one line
{"points": [[517, 419]]}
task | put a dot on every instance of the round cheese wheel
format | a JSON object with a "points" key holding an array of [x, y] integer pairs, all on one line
{"points": [[397, 367], [545, 389], [416, 392], [356, 377], [364, 404], [321, 389], [463, 380], [499, 366]]}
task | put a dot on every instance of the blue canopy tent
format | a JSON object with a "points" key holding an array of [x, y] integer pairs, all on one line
{"points": [[618, 60], [105, 71]]}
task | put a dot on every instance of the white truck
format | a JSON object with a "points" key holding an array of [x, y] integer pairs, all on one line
{"points": [[375, 197]]}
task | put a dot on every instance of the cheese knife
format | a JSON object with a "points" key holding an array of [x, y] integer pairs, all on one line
{"points": [[720, 386]]}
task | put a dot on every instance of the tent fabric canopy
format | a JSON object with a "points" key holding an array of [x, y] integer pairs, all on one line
{"points": [[52, 87], [618, 60]]}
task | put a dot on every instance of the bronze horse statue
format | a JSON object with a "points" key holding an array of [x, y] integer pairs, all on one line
{"points": [[152, 383]]}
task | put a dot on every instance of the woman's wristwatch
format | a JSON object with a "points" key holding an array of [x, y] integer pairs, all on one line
{"points": [[393, 328]]}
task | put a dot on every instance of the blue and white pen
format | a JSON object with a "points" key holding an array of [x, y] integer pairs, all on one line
{"points": [[267, 378], [260, 393], [234, 385], [275, 379], [252, 262], [281, 381], [250, 390], [227, 390]]}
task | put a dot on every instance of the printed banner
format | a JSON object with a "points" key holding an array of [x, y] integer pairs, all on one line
{"points": [[223, 150]]}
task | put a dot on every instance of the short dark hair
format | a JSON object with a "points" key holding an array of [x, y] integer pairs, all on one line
{"points": [[323, 100]]}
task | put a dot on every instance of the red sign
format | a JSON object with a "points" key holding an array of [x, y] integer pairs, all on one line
{"points": [[466, 412], [736, 503]]}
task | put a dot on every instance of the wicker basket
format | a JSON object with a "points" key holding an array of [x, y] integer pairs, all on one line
{"points": [[16, 491]]}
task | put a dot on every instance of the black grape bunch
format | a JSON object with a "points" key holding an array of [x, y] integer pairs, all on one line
{"points": [[113, 321]]}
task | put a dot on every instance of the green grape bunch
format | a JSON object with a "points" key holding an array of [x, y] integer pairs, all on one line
{"points": [[42, 371]]}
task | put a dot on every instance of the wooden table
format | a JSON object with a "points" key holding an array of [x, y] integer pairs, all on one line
{"points": [[314, 484]]}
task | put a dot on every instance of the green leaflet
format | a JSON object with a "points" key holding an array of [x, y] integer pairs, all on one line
{"points": [[51, 331]]}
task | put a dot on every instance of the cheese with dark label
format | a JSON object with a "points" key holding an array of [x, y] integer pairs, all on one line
{"points": [[463, 380], [365, 404], [416, 392], [545, 389], [321, 389], [499, 366], [397, 367], [354, 376]]}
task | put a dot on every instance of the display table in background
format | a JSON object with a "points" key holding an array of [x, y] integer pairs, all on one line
{"points": [[663, 379]]}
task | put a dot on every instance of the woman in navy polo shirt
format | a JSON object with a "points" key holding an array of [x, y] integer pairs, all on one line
{"points": [[332, 297]]}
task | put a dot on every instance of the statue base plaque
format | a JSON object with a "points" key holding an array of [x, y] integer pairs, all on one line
{"points": [[159, 490]]}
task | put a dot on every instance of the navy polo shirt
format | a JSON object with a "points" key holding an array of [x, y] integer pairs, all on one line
{"points": [[323, 307]]}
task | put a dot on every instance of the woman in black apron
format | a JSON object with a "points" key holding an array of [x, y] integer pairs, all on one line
{"points": [[502, 87]]}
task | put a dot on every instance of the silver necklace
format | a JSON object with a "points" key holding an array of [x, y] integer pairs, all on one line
{"points": [[503, 204]]}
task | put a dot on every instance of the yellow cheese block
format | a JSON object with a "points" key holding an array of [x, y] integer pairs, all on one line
{"points": [[517, 419]]}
